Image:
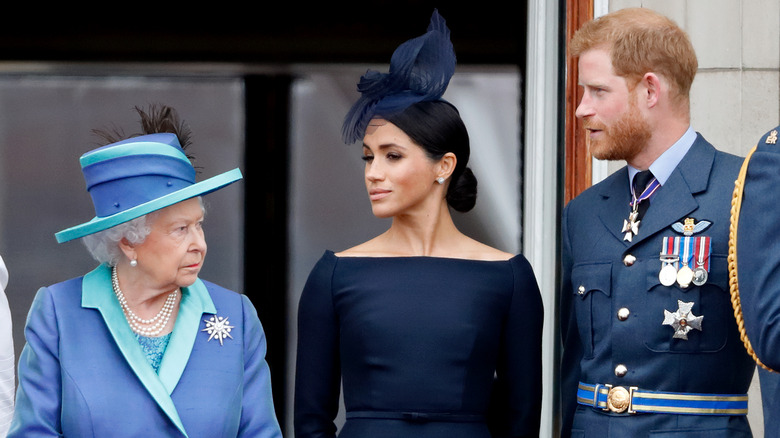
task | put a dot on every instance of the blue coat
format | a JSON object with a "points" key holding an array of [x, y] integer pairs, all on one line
{"points": [[83, 374], [613, 303], [758, 267]]}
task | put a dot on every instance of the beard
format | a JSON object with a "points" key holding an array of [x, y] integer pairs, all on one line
{"points": [[624, 139]]}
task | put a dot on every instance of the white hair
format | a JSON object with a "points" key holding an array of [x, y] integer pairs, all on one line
{"points": [[104, 245]]}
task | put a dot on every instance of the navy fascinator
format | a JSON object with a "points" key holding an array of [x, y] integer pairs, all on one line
{"points": [[420, 70]]}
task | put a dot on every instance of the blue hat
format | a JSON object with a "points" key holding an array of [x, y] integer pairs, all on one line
{"points": [[133, 177], [420, 70]]}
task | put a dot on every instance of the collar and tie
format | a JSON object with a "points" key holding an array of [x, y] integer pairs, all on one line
{"points": [[643, 187]]}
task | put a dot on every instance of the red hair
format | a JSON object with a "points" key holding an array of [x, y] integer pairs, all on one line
{"points": [[641, 41]]}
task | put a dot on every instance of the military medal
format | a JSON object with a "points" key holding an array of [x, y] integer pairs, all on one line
{"points": [[682, 320], [695, 252], [700, 274], [685, 273], [668, 273], [669, 258], [684, 277], [631, 225]]}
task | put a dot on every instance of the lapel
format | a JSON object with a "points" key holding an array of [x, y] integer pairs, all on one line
{"points": [[98, 294], [616, 196], [195, 301], [673, 201]]}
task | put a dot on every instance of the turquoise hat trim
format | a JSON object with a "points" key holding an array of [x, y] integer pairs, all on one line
{"points": [[103, 223], [124, 150]]}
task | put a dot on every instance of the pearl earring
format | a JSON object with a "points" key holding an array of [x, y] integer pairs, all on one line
{"points": [[440, 180], [134, 263]]}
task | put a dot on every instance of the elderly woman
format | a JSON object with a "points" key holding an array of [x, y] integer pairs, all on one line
{"points": [[141, 346]]}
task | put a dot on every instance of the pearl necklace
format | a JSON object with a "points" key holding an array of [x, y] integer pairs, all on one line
{"points": [[139, 325]]}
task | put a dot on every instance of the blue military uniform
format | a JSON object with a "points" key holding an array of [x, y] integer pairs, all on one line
{"points": [[757, 249], [770, 399], [643, 357]]}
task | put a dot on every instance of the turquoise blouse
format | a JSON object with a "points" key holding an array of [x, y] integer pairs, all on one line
{"points": [[154, 348]]}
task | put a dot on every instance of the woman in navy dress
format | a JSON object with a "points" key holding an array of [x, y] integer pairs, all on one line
{"points": [[429, 332]]}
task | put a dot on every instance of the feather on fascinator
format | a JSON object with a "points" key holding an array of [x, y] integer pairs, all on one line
{"points": [[420, 70]]}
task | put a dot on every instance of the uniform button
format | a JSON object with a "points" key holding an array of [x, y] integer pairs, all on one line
{"points": [[623, 313], [581, 290], [621, 370], [629, 260]]}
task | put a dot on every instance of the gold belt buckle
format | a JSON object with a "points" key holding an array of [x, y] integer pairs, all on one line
{"points": [[620, 399]]}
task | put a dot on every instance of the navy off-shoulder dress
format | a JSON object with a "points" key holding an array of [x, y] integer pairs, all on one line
{"points": [[427, 347]]}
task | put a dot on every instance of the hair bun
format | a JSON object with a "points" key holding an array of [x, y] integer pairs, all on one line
{"points": [[462, 193]]}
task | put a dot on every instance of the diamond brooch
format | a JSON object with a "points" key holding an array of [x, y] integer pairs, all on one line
{"points": [[218, 327]]}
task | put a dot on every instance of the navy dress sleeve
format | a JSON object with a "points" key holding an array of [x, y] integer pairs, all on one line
{"points": [[522, 367], [318, 371], [572, 351]]}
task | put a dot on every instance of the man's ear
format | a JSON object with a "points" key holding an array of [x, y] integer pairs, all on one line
{"points": [[653, 87]]}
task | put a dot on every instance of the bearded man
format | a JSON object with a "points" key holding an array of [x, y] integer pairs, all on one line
{"points": [[650, 344]]}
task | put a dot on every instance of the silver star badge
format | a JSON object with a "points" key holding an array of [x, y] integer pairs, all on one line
{"points": [[218, 327], [682, 321]]}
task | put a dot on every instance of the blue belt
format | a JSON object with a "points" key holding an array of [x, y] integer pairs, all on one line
{"points": [[418, 417], [631, 400]]}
